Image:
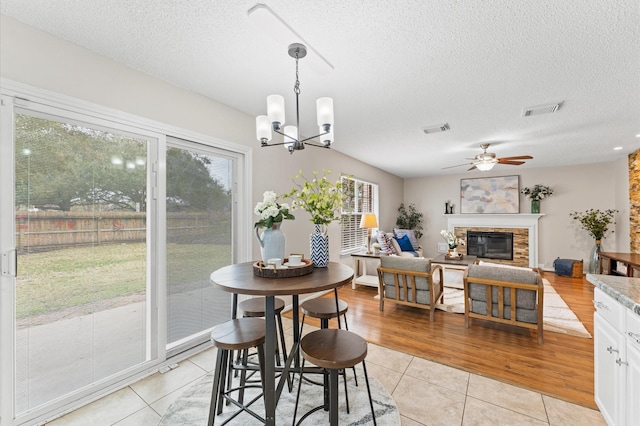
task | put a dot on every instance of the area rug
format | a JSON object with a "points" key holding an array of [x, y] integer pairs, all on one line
{"points": [[192, 407], [558, 318]]}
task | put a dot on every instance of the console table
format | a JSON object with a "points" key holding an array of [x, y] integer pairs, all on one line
{"points": [[364, 278], [621, 264]]}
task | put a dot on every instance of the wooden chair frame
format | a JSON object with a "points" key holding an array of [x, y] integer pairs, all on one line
{"points": [[501, 285], [406, 280]]}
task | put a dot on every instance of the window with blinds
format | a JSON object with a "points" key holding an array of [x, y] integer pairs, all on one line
{"points": [[360, 197]]}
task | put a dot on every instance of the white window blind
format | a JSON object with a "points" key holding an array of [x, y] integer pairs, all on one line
{"points": [[360, 197]]}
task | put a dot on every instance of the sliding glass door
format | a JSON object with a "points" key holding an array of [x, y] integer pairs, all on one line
{"points": [[81, 288], [199, 217]]}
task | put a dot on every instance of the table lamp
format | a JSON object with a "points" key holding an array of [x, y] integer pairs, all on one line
{"points": [[368, 221]]}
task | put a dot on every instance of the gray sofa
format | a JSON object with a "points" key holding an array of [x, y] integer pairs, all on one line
{"points": [[409, 281], [516, 296]]}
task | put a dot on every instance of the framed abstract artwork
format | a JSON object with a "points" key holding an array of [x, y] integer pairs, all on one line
{"points": [[492, 195]]}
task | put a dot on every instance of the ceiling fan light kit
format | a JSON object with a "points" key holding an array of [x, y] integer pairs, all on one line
{"points": [[275, 118], [485, 161]]}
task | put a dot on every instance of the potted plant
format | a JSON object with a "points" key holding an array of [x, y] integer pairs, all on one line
{"points": [[452, 241], [323, 200], [537, 193], [410, 218], [596, 223]]}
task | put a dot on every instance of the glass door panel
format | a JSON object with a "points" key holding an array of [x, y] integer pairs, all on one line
{"points": [[81, 287], [199, 239]]}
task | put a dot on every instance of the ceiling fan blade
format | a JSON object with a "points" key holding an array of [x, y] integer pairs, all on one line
{"points": [[510, 162], [472, 168], [457, 165], [520, 157]]}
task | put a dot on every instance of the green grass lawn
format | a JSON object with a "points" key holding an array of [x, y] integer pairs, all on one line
{"points": [[71, 277]]}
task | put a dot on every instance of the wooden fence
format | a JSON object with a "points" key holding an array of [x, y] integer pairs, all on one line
{"points": [[52, 230]]}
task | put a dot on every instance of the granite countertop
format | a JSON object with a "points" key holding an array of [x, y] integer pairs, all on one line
{"points": [[624, 290]]}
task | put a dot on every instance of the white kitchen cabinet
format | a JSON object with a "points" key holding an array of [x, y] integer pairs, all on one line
{"points": [[616, 361], [633, 374]]}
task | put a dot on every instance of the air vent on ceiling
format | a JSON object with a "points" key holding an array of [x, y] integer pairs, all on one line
{"points": [[436, 128], [541, 109]]}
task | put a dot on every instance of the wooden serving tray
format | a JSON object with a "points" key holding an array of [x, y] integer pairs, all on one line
{"points": [[261, 270]]}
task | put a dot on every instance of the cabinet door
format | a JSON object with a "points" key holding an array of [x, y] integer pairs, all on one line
{"points": [[633, 385], [609, 345]]}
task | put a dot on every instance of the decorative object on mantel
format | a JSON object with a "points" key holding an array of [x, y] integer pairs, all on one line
{"points": [[323, 200], [410, 218], [490, 195], [272, 213], [537, 193], [453, 242], [275, 116], [596, 223]]}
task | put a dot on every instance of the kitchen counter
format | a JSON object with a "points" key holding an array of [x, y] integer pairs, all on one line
{"points": [[624, 290]]}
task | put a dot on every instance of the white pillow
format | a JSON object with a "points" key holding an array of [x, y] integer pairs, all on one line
{"points": [[501, 265], [411, 234]]}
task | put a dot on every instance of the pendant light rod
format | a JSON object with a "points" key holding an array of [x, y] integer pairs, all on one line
{"points": [[275, 118]]}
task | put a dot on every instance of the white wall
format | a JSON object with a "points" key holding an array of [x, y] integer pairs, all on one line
{"points": [[38, 59], [599, 186]]}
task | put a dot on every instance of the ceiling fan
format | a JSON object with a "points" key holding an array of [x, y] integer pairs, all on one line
{"points": [[487, 160]]}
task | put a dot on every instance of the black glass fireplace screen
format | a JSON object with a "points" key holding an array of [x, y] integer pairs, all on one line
{"points": [[490, 245]]}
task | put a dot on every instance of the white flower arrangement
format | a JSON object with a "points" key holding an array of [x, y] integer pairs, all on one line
{"points": [[270, 211], [451, 239], [538, 192]]}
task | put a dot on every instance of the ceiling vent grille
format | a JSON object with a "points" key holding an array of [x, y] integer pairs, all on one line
{"points": [[436, 128], [541, 109]]}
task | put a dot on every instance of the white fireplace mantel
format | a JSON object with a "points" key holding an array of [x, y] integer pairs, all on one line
{"points": [[523, 220]]}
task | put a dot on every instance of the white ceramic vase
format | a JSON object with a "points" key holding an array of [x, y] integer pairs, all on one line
{"points": [[272, 242]]}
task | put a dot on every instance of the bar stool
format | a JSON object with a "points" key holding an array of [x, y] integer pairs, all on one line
{"points": [[236, 335], [255, 308], [333, 350]]}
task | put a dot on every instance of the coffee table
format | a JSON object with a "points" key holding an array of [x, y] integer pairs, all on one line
{"points": [[454, 279]]}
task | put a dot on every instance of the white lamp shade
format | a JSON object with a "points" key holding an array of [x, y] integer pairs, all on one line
{"points": [[291, 135], [486, 166], [368, 220], [263, 128], [275, 109], [325, 111]]}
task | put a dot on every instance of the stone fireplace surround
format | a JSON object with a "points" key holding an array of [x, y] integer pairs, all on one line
{"points": [[524, 227]]}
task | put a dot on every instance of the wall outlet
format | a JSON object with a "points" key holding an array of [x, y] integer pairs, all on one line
{"points": [[443, 247]]}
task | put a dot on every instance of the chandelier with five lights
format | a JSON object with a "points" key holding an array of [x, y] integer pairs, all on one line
{"points": [[275, 117]]}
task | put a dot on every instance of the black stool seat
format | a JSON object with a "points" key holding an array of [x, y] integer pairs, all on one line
{"points": [[256, 306]]}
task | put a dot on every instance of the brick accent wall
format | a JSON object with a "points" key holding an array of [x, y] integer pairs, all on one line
{"points": [[634, 201], [520, 244]]}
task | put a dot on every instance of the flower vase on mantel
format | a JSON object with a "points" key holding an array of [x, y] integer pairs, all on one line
{"points": [[535, 206], [272, 242], [594, 258], [319, 245]]}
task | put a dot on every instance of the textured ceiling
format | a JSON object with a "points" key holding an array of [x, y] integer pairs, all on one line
{"points": [[399, 65]]}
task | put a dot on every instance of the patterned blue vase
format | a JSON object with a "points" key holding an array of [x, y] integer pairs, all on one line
{"points": [[319, 242]]}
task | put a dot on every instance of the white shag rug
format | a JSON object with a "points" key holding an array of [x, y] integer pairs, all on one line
{"points": [[192, 408]]}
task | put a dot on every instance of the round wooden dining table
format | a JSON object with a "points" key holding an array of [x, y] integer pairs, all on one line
{"points": [[240, 279]]}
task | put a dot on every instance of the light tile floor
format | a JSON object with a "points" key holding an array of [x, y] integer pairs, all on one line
{"points": [[427, 393]]}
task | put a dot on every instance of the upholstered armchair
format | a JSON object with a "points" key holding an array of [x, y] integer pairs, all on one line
{"points": [[409, 281], [515, 296]]}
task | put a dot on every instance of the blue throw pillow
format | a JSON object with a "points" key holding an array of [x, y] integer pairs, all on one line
{"points": [[405, 243]]}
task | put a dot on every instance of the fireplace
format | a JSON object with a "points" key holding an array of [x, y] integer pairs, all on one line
{"points": [[490, 245]]}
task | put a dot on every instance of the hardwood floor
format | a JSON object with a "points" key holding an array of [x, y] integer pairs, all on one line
{"points": [[562, 367]]}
